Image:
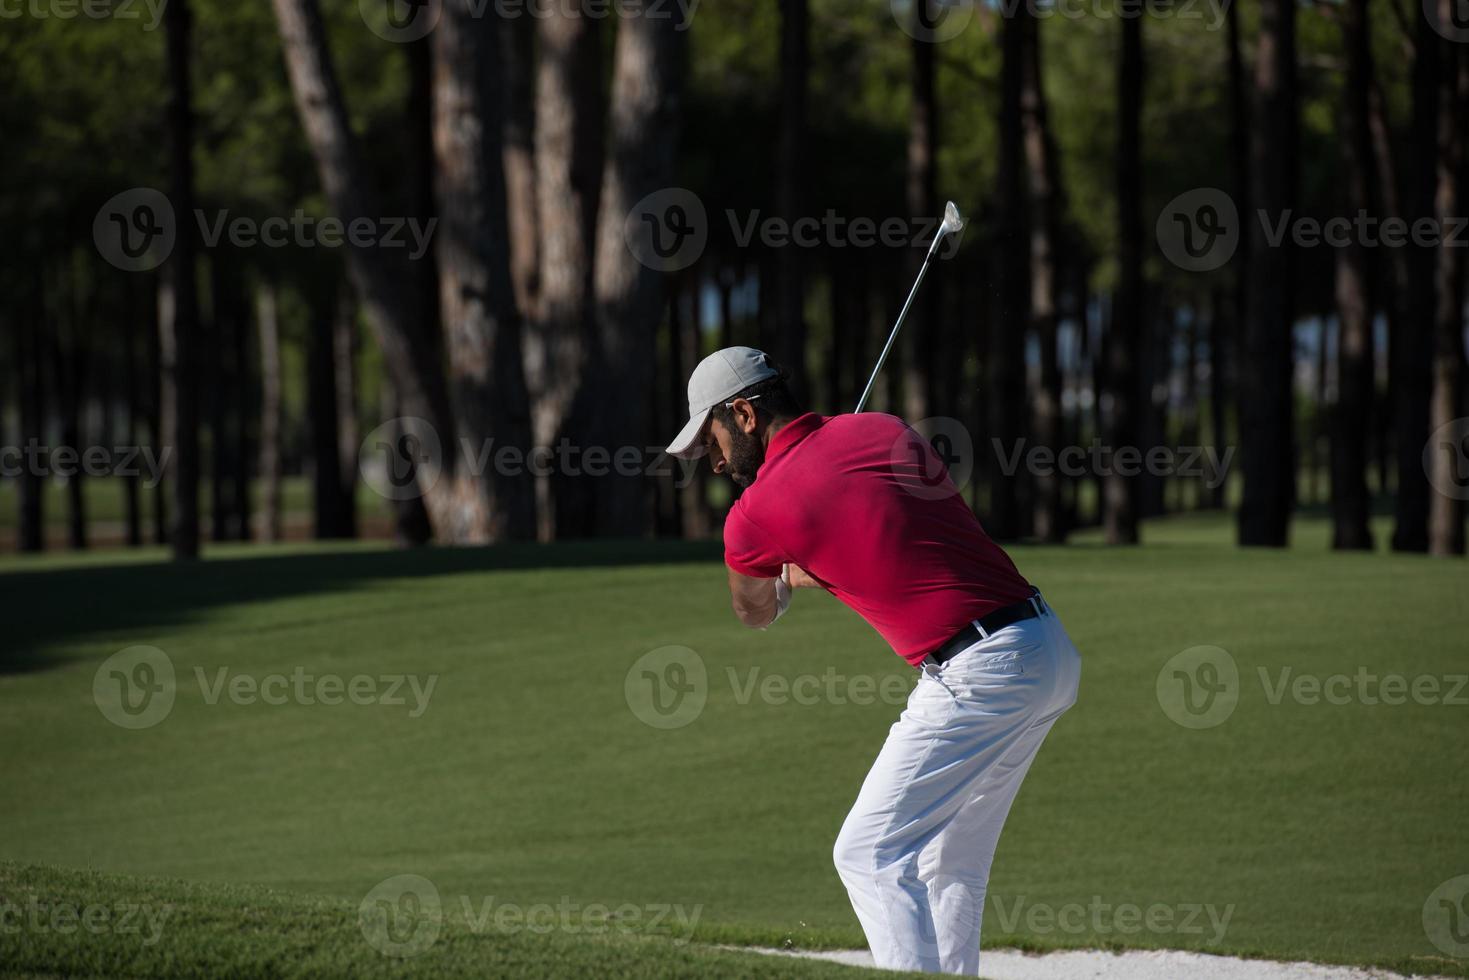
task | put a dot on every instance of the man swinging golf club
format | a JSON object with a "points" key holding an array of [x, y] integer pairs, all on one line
{"points": [[849, 504]]}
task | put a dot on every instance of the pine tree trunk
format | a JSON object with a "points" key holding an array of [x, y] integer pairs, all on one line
{"points": [[919, 349], [1445, 512], [789, 341], [1225, 333], [1005, 365], [569, 134], [180, 318], [1266, 408], [268, 325], [1046, 202], [1121, 505], [481, 325], [132, 436], [329, 503], [465, 506], [68, 369], [349, 436], [517, 56], [227, 397], [30, 365], [647, 92], [1355, 276], [1219, 385], [1412, 352]]}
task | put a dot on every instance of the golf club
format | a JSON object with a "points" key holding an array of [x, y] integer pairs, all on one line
{"points": [[952, 223]]}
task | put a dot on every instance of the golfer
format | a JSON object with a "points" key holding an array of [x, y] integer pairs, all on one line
{"points": [[860, 505]]}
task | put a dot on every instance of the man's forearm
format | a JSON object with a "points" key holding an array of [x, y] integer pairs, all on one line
{"points": [[759, 602], [756, 609]]}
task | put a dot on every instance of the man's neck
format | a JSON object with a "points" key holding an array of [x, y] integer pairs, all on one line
{"points": [[776, 424]]}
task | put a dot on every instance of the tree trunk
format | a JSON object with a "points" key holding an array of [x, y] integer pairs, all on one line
{"points": [[477, 304], [331, 504], [157, 434], [349, 436], [1188, 429], [424, 275], [1046, 203], [919, 348], [1219, 383], [1355, 278], [268, 325], [179, 317], [1267, 438], [1225, 331], [381, 276], [412, 527], [1412, 350], [569, 172], [1318, 429], [226, 397], [672, 502], [462, 504], [1121, 505], [219, 403], [132, 436], [30, 366], [1445, 512], [693, 514], [246, 410], [1160, 326], [517, 55], [68, 364], [789, 348], [647, 91], [1396, 279], [1006, 347]]}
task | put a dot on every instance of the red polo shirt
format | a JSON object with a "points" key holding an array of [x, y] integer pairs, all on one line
{"points": [[864, 505]]}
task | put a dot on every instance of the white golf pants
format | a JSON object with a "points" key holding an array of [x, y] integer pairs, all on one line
{"points": [[915, 851]]}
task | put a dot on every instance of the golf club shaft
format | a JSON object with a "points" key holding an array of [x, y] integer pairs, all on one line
{"points": [[894, 334]]}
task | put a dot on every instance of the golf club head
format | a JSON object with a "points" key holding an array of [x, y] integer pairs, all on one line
{"points": [[953, 221]]}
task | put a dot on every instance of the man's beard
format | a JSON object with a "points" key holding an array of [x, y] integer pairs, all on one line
{"points": [[746, 454]]}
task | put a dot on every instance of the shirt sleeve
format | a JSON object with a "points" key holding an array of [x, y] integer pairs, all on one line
{"points": [[747, 548]]}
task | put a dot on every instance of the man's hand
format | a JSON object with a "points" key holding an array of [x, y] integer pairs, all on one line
{"points": [[799, 578]]}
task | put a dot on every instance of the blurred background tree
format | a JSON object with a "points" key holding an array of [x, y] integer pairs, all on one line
{"points": [[1063, 131]]}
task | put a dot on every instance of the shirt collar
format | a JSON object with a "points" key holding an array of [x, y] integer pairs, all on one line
{"points": [[792, 433]]}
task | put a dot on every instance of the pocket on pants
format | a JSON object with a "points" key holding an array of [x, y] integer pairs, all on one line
{"points": [[931, 703]]}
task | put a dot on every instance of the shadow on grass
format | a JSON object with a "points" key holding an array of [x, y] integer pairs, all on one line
{"points": [[43, 608]]}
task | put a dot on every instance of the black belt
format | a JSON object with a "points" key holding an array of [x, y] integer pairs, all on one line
{"points": [[981, 629]]}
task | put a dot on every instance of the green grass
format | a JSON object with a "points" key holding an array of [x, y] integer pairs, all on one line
{"points": [[105, 499], [152, 927], [529, 780]]}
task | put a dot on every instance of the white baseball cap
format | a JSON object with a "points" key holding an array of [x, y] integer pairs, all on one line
{"points": [[719, 377]]}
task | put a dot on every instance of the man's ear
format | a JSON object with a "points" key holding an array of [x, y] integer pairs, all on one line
{"points": [[744, 415]]}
